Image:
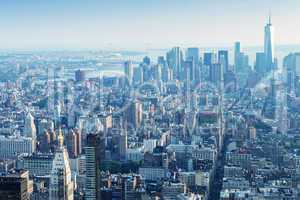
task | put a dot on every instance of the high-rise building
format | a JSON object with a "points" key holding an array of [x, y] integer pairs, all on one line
{"points": [[61, 184], [290, 81], [80, 75], [15, 186], [237, 55], [128, 70], [237, 51], [292, 63], [45, 142], [44, 124], [241, 60], [209, 58], [72, 115], [269, 46], [146, 60], [147, 75], [161, 60], [123, 144], [79, 141], [157, 72], [245, 62], [166, 73], [215, 73], [174, 60], [13, 146], [252, 133], [29, 127], [92, 154], [134, 114], [72, 144], [193, 52], [53, 138], [260, 62], [188, 70], [39, 164], [138, 75], [223, 59]]}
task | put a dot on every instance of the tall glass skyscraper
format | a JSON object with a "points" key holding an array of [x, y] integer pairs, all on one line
{"points": [[223, 59], [93, 179], [237, 56], [269, 46], [174, 60]]}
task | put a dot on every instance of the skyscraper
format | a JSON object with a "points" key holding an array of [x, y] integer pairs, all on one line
{"points": [[208, 58], [166, 73], [92, 153], [128, 69], [30, 129], [237, 55], [72, 144], [123, 144], [61, 185], [138, 75], [134, 114], [188, 70], [53, 139], [161, 60], [192, 54], [157, 72], [146, 60], [79, 142], [269, 46], [291, 64], [260, 62], [174, 60], [223, 59], [45, 141], [80, 75], [215, 73]]}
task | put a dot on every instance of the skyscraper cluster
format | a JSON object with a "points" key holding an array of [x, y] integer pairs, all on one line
{"points": [[189, 123]]}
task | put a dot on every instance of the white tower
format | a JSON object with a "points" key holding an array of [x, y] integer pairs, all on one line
{"points": [[30, 129], [128, 69], [61, 185]]}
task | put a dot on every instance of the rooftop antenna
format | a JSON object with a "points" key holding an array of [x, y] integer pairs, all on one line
{"points": [[269, 17]]}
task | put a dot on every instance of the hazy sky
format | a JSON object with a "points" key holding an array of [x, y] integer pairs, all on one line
{"points": [[134, 23]]}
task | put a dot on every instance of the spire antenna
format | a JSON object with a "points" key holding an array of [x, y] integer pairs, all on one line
{"points": [[269, 18]]}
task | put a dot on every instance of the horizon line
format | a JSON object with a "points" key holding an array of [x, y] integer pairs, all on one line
{"points": [[135, 48]]}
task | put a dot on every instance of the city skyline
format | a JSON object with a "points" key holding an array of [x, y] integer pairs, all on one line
{"points": [[139, 24], [143, 100]]}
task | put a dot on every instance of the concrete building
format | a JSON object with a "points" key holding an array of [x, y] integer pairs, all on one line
{"points": [[61, 184], [15, 186], [39, 164], [92, 160], [153, 173], [13, 146]]}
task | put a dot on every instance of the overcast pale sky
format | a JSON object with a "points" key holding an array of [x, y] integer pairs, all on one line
{"points": [[134, 23]]}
